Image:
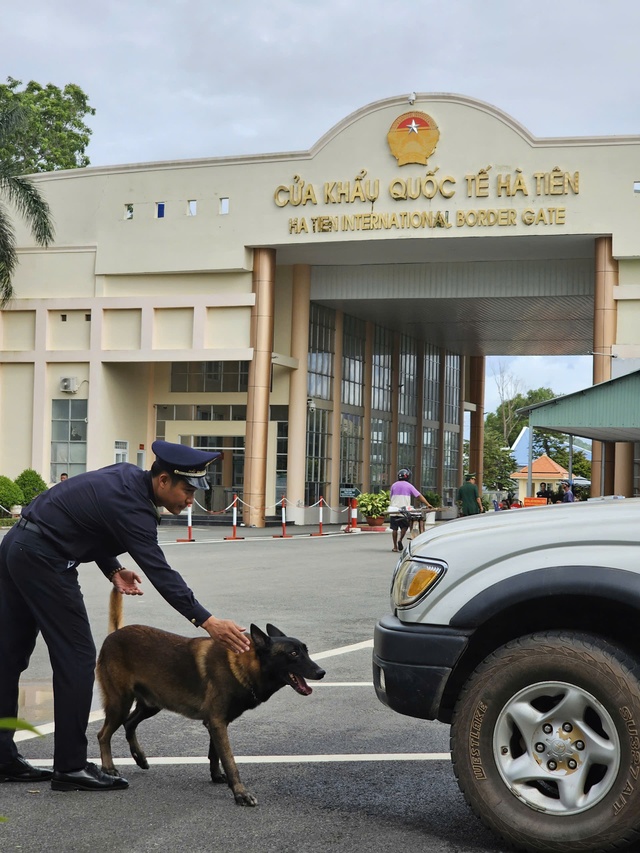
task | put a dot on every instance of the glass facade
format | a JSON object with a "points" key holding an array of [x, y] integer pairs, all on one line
{"points": [[321, 352], [380, 465], [318, 455], [353, 340], [351, 450], [209, 376], [382, 370]]}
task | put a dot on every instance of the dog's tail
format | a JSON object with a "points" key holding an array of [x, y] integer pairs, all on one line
{"points": [[116, 618]]}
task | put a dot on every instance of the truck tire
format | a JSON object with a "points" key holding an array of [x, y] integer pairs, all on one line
{"points": [[545, 743]]}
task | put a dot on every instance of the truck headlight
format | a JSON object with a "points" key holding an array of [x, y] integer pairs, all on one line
{"points": [[414, 578]]}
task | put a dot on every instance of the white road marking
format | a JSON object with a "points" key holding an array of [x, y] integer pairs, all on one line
{"points": [[280, 759]]}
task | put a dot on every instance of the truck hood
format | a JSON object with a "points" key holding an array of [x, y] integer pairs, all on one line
{"points": [[485, 549]]}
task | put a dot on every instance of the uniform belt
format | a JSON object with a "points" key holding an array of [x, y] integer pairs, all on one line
{"points": [[31, 526]]}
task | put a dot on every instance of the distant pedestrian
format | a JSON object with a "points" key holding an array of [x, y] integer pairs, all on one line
{"points": [[401, 494], [568, 496], [468, 495]]}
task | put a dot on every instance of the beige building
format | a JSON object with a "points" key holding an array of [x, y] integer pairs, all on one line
{"points": [[322, 316]]}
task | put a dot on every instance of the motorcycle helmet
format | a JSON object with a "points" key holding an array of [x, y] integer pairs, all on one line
{"points": [[404, 474]]}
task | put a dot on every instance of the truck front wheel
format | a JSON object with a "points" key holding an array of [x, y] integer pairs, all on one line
{"points": [[545, 743]]}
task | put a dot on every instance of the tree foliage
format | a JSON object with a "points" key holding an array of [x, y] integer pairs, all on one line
{"points": [[505, 414], [10, 494], [505, 419], [52, 134], [31, 484], [498, 464], [23, 196]]}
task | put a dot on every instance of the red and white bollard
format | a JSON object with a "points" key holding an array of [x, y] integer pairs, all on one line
{"points": [[284, 534], [189, 528], [319, 533], [352, 526], [235, 521]]}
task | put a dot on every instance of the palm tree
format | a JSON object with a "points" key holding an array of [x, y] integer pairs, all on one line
{"points": [[26, 198]]}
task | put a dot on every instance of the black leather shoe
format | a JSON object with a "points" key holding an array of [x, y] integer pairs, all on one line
{"points": [[90, 778], [20, 770]]}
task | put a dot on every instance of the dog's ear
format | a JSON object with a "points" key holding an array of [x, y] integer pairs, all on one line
{"points": [[260, 639], [272, 631]]}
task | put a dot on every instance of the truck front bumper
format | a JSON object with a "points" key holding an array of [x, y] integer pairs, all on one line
{"points": [[412, 664]]}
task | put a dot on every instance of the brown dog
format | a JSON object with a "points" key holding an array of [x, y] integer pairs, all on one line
{"points": [[196, 678]]}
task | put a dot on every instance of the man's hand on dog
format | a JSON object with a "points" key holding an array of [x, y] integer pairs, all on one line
{"points": [[126, 582], [228, 633]]}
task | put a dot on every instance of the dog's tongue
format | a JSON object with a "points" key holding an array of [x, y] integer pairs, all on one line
{"points": [[299, 684]]}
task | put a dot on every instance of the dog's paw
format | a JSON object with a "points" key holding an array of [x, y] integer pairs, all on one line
{"points": [[110, 771], [218, 778], [244, 798], [140, 759]]}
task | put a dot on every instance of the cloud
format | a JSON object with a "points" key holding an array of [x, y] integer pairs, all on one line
{"points": [[195, 78]]}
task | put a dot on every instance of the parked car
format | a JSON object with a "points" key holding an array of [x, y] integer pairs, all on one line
{"points": [[521, 630]]}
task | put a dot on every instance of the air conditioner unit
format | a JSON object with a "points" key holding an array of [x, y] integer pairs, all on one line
{"points": [[69, 384]]}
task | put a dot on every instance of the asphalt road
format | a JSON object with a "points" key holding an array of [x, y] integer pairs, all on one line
{"points": [[334, 771]]}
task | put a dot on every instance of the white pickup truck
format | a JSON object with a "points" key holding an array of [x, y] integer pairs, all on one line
{"points": [[521, 629]]}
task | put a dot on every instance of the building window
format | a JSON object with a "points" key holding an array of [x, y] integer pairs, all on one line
{"points": [[224, 206], [159, 210], [429, 473], [406, 446], [431, 394], [192, 207], [381, 374], [68, 438], [408, 377], [452, 389], [451, 461], [121, 451], [636, 186], [282, 450], [353, 341], [379, 465], [128, 211], [318, 455], [321, 352], [351, 450], [209, 376]]}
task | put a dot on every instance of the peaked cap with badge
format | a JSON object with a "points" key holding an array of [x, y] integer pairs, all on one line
{"points": [[186, 462]]}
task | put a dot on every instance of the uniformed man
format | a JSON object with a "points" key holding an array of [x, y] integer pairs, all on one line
{"points": [[90, 517]]}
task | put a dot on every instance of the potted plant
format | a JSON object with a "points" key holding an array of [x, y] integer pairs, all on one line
{"points": [[436, 501], [373, 506]]}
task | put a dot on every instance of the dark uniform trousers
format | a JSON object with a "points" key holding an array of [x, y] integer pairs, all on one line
{"points": [[39, 591]]}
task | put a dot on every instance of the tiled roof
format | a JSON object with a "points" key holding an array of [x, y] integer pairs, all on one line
{"points": [[542, 467]]}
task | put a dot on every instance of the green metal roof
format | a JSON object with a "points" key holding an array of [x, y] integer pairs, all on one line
{"points": [[609, 411]]}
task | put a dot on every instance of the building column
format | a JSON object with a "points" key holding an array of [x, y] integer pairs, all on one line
{"points": [[395, 393], [417, 475], [256, 441], [442, 376], [298, 393], [604, 335], [336, 419], [476, 434], [464, 365], [366, 420]]}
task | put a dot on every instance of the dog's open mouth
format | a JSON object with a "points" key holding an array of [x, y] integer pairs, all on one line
{"points": [[299, 684]]}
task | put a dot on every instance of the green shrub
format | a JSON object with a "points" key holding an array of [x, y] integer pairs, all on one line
{"points": [[31, 484], [434, 498], [10, 494], [373, 505]]}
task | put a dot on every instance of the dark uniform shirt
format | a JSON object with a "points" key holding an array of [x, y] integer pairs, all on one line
{"points": [[100, 514]]}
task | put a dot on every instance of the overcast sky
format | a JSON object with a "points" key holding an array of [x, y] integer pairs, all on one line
{"points": [[173, 79]]}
